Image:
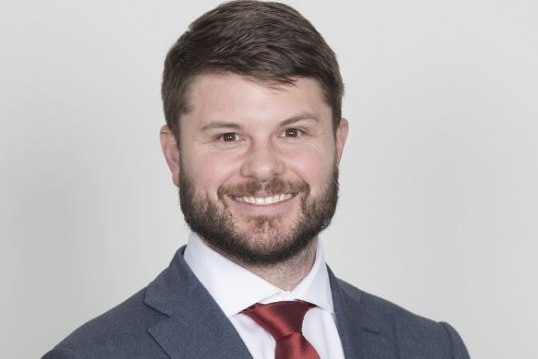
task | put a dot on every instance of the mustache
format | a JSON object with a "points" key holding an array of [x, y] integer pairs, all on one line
{"points": [[273, 187]]}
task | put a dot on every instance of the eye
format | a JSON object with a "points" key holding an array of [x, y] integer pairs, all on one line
{"points": [[228, 137], [292, 132]]}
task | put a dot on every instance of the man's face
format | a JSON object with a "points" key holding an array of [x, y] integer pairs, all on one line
{"points": [[256, 165]]}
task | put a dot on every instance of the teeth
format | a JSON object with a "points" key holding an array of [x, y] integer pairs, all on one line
{"points": [[263, 201]]}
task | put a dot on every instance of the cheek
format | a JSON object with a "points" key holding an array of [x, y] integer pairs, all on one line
{"points": [[208, 173], [314, 168]]}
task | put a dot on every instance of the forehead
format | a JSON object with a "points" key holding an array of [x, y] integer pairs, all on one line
{"points": [[233, 97]]}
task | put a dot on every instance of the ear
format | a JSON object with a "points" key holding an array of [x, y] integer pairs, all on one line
{"points": [[341, 136], [171, 152]]}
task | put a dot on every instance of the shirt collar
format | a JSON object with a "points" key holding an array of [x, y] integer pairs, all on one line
{"points": [[234, 288]]}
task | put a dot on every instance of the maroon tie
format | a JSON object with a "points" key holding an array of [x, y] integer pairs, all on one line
{"points": [[284, 320]]}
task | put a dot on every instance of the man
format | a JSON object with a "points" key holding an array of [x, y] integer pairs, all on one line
{"points": [[254, 135]]}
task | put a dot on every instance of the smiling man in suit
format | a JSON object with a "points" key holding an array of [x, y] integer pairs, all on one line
{"points": [[254, 135]]}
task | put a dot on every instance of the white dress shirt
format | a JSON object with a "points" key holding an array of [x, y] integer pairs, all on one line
{"points": [[234, 289]]}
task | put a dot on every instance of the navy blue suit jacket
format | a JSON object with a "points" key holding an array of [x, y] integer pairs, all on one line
{"points": [[175, 317]]}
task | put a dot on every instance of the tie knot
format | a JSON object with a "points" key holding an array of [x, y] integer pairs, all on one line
{"points": [[281, 319]]}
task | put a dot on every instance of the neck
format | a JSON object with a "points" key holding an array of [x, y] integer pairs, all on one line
{"points": [[286, 275]]}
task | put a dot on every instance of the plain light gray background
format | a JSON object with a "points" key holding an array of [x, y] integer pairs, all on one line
{"points": [[439, 202]]}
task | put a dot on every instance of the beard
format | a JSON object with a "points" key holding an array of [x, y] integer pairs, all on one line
{"points": [[269, 241]]}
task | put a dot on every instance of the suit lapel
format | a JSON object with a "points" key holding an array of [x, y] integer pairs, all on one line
{"points": [[193, 317], [365, 331]]}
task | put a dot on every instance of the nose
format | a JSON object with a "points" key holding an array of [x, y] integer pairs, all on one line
{"points": [[262, 163]]}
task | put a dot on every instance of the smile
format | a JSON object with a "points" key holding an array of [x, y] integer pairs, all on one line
{"points": [[264, 201]]}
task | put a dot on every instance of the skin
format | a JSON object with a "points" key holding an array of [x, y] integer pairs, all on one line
{"points": [[240, 130]]}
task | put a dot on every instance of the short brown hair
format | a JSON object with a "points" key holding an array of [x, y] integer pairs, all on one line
{"points": [[268, 41]]}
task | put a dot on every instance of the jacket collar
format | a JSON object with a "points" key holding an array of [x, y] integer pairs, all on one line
{"points": [[193, 317], [366, 332]]}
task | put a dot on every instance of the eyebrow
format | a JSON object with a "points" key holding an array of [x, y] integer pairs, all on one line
{"points": [[234, 126], [300, 117], [217, 124]]}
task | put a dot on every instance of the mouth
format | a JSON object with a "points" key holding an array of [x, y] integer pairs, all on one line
{"points": [[264, 200]]}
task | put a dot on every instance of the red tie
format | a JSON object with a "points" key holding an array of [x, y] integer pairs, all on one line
{"points": [[284, 320]]}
